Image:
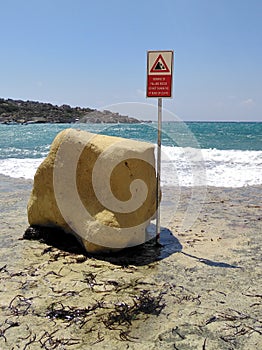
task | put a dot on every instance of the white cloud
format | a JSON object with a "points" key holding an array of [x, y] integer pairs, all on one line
{"points": [[248, 102]]}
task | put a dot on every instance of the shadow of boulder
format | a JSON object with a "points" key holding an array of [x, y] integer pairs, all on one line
{"points": [[146, 253], [139, 255], [55, 237]]}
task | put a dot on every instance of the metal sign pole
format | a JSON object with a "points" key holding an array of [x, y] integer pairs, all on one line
{"points": [[159, 84], [158, 191]]}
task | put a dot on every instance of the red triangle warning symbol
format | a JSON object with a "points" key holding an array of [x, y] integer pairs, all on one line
{"points": [[159, 66]]}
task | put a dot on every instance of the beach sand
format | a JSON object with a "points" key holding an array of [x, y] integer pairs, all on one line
{"points": [[201, 290]]}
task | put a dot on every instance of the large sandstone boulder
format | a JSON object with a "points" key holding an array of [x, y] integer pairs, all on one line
{"points": [[100, 188]]}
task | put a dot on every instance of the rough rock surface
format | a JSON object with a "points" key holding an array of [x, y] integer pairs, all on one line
{"points": [[100, 188]]}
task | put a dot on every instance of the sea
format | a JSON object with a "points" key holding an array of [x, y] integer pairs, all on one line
{"points": [[220, 154]]}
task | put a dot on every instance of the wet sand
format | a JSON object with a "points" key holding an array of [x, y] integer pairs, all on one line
{"points": [[200, 290]]}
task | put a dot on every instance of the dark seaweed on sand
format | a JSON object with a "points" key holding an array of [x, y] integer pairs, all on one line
{"points": [[71, 314], [145, 303], [122, 313]]}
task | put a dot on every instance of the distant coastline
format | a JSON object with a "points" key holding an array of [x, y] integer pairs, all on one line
{"points": [[33, 112]]}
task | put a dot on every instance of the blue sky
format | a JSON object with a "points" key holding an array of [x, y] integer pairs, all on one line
{"points": [[93, 54]]}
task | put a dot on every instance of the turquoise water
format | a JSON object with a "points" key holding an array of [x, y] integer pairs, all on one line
{"points": [[232, 152], [228, 136], [33, 141]]}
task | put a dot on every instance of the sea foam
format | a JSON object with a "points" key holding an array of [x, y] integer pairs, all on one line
{"points": [[179, 167], [20, 168]]}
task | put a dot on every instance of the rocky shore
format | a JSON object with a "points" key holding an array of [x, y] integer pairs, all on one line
{"points": [[30, 112]]}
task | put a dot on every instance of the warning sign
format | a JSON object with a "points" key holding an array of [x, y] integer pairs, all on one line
{"points": [[159, 73], [159, 65]]}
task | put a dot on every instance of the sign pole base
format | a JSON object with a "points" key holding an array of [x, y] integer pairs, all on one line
{"points": [[158, 188]]}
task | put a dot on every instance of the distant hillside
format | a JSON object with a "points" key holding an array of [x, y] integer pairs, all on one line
{"points": [[29, 112]]}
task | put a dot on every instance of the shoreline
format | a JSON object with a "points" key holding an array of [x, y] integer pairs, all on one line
{"points": [[203, 283]]}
